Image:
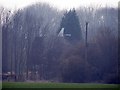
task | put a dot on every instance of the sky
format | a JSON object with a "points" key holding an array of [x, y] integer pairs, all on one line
{"points": [[60, 4]]}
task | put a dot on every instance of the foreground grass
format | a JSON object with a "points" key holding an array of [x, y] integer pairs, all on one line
{"points": [[55, 85]]}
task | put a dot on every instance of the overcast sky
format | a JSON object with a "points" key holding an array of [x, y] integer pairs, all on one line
{"points": [[60, 4]]}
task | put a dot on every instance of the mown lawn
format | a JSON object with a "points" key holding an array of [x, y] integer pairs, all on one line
{"points": [[55, 85]]}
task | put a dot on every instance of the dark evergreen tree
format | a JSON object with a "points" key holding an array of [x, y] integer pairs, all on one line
{"points": [[71, 26]]}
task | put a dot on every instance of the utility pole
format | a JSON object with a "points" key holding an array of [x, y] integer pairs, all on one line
{"points": [[86, 44]]}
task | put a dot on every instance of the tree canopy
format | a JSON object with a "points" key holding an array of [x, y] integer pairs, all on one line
{"points": [[70, 24]]}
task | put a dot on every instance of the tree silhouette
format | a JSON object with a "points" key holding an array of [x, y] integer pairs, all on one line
{"points": [[71, 26]]}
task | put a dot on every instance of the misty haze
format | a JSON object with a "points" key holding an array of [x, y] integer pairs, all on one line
{"points": [[43, 44]]}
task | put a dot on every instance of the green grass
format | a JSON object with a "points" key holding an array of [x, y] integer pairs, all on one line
{"points": [[55, 85]]}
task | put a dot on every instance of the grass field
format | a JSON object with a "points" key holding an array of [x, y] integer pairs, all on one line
{"points": [[55, 85]]}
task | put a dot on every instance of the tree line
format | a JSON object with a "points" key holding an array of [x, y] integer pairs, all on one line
{"points": [[42, 43]]}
